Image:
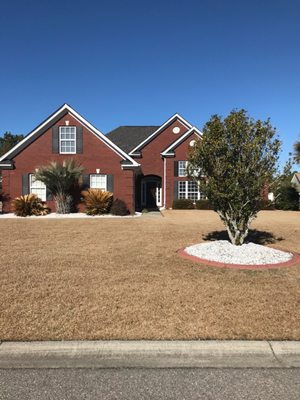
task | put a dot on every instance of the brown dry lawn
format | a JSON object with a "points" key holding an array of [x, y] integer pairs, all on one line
{"points": [[122, 278]]}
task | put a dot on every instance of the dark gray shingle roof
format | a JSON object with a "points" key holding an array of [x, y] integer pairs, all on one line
{"points": [[128, 137]]}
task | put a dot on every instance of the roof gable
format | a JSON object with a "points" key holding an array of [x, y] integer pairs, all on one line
{"points": [[46, 124], [137, 149], [170, 150]]}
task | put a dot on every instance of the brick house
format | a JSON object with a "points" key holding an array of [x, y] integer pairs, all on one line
{"points": [[142, 165]]}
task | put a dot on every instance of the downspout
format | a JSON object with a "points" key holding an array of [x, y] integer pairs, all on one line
{"points": [[165, 183]]}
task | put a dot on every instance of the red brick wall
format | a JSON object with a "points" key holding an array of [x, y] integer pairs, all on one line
{"points": [[96, 154]]}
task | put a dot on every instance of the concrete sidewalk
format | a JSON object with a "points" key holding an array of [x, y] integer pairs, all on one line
{"points": [[151, 354]]}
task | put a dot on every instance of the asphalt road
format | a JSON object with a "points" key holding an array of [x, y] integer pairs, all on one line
{"points": [[139, 384]]}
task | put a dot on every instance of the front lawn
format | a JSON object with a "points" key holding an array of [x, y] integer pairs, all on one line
{"points": [[122, 278]]}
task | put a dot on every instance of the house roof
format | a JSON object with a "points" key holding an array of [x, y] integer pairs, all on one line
{"points": [[40, 129], [128, 137]]}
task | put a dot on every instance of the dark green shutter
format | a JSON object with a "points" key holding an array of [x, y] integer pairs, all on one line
{"points": [[25, 184], [79, 140], [49, 195], [175, 168], [175, 190], [110, 183], [85, 181], [55, 140]]}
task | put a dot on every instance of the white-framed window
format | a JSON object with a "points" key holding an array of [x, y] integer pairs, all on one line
{"points": [[182, 169], [67, 139], [182, 166], [37, 187], [189, 190], [98, 181]]}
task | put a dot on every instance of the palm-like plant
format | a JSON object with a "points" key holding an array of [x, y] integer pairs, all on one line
{"points": [[60, 179], [29, 204], [97, 201]]}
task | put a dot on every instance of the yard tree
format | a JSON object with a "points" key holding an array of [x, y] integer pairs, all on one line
{"points": [[8, 141], [233, 162], [297, 152]]}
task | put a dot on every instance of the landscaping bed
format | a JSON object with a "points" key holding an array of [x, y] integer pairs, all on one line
{"points": [[122, 279]]}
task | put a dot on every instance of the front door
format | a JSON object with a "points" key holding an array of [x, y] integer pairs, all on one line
{"points": [[151, 194]]}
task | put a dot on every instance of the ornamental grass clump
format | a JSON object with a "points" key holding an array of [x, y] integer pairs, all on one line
{"points": [[97, 201], [28, 205]]}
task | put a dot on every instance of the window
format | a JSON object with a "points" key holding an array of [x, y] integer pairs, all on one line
{"points": [[98, 181], [182, 166], [37, 187], [182, 169], [67, 139], [189, 190]]}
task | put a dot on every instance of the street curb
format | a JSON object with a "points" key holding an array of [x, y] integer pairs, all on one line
{"points": [[151, 354]]}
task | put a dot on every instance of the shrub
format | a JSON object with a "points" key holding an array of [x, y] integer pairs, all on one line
{"points": [[266, 205], [203, 205], [119, 208], [287, 198], [97, 201], [183, 204], [29, 204]]}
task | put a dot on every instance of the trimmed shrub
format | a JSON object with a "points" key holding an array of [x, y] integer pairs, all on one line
{"points": [[97, 201], [183, 204], [287, 198], [266, 205], [203, 205], [29, 204], [119, 208]]}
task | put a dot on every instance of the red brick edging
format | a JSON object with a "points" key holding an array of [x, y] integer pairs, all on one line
{"points": [[293, 261]]}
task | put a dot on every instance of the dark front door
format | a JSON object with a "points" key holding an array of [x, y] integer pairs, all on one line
{"points": [[151, 194]]}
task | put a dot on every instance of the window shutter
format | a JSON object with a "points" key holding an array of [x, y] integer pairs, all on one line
{"points": [[79, 140], [49, 195], [85, 181], [175, 192], [175, 168], [110, 183], [25, 184], [55, 140]]}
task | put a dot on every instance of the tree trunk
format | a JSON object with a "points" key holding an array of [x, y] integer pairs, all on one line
{"points": [[63, 203], [237, 231]]}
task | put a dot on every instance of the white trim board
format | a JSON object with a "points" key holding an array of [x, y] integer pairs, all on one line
{"points": [[75, 114], [168, 122], [181, 139]]}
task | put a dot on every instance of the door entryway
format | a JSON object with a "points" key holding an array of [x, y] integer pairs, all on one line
{"points": [[151, 193]]}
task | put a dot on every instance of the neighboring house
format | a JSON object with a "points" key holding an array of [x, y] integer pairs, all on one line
{"points": [[296, 181], [143, 165]]}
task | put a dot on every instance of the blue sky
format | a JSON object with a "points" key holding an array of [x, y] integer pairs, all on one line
{"points": [[139, 62]]}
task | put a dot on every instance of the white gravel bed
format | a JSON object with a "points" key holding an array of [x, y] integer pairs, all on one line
{"points": [[70, 216], [249, 254]]}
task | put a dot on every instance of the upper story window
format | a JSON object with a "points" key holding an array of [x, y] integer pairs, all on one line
{"points": [[37, 187], [182, 166], [98, 181], [67, 139]]}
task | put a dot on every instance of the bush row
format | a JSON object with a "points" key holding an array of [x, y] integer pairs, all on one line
{"points": [[186, 204], [97, 202]]}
